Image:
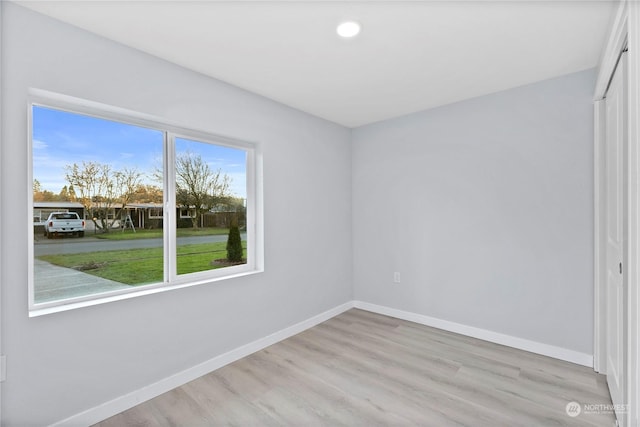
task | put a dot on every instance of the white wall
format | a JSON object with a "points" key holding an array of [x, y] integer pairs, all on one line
{"points": [[485, 208], [61, 364]]}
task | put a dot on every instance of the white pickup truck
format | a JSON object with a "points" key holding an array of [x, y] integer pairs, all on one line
{"points": [[63, 223]]}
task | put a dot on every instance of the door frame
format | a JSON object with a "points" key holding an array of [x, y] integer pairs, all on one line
{"points": [[625, 29], [2, 357]]}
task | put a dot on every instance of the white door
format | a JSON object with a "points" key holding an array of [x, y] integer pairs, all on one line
{"points": [[616, 137]]}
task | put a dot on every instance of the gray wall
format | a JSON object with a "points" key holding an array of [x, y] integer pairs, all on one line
{"points": [[485, 208], [61, 364]]}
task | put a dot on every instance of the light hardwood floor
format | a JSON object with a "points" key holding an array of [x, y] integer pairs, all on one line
{"points": [[364, 369]]}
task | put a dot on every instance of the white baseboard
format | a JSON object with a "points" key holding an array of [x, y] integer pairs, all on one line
{"points": [[483, 334], [129, 400]]}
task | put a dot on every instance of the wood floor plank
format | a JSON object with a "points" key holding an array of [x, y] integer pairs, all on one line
{"points": [[388, 388], [365, 369], [381, 393], [435, 341], [223, 404], [406, 376], [500, 353]]}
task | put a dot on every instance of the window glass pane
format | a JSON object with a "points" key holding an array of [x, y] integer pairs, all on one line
{"points": [[97, 205], [211, 191]]}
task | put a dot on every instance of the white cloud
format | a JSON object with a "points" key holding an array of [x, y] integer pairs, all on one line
{"points": [[39, 145]]}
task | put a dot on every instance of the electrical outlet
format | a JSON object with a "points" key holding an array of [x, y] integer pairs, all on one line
{"points": [[396, 277]]}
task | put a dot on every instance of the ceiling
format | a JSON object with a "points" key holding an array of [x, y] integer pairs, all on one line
{"points": [[409, 56]]}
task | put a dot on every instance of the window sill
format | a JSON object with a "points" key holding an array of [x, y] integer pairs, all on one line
{"points": [[134, 293]]}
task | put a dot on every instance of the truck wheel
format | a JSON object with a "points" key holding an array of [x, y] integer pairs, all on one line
{"points": [[80, 233]]}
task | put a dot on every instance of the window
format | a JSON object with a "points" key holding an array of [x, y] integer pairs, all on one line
{"points": [[187, 212], [41, 215], [155, 213], [207, 176], [199, 192], [63, 216]]}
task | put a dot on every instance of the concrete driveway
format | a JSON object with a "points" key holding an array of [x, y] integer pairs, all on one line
{"points": [[55, 283]]}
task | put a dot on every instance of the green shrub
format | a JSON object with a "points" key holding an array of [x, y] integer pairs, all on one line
{"points": [[234, 242]]}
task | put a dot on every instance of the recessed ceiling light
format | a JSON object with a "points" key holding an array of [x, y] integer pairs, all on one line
{"points": [[348, 29]]}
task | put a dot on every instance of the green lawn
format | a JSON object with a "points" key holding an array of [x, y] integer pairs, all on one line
{"points": [[141, 266], [128, 234]]}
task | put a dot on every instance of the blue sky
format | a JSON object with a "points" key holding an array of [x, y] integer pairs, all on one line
{"points": [[61, 138]]}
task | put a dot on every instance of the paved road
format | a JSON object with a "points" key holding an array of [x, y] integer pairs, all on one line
{"points": [[75, 245]]}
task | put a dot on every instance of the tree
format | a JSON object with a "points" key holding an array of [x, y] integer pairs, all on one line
{"points": [[67, 194], [234, 242], [236, 204], [72, 194], [40, 195], [127, 182], [147, 194], [37, 187], [198, 186], [100, 189]]}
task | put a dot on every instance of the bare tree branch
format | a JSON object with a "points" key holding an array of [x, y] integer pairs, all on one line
{"points": [[100, 189], [198, 187]]}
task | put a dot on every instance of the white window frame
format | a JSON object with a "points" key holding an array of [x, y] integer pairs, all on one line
{"points": [[254, 211], [160, 209], [191, 213]]}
